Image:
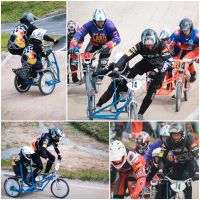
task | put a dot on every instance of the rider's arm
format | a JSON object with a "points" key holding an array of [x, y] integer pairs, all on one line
{"points": [[55, 145], [114, 35], [80, 34], [162, 157], [173, 40], [192, 146], [31, 28], [126, 57], [48, 38]]}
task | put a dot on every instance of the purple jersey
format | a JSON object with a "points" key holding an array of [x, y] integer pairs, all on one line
{"points": [[187, 44], [107, 36]]}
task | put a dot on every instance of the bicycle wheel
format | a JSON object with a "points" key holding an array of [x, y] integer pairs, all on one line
{"points": [[20, 85], [12, 187], [178, 95], [132, 111], [186, 91], [59, 188], [47, 76]]}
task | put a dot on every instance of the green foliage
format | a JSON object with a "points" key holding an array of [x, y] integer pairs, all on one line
{"points": [[99, 130], [6, 164], [12, 11], [4, 41]]}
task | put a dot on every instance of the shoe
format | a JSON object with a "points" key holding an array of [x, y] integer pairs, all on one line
{"points": [[36, 79], [193, 77], [75, 79], [140, 117], [98, 106], [173, 96]]}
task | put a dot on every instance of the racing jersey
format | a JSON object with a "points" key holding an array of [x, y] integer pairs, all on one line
{"points": [[188, 44], [156, 57], [108, 35], [185, 151], [43, 141], [20, 35]]}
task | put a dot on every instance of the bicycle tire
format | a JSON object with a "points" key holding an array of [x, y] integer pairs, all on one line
{"points": [[20, 85], [45, 89], [65, 183], [178, 95], [132, 112], [17, 193]]}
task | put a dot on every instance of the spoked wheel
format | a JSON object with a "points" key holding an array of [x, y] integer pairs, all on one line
{"points": [[178, 95], [132, 112], [186, 91], [59, 188], [20, 85], [45, 78], [12, 187]]}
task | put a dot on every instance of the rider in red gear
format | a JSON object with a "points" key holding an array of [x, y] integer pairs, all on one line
{"points": [[130, 165]]}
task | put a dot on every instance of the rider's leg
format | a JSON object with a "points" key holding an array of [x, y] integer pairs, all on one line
{"points": [[74, 68], [39, 166], [35, 67], [154, 85], [51, 159], [103, 59]]}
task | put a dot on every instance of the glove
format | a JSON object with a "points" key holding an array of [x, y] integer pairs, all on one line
{"points": [[114, 74], [165, 67], [105, 49], [55, 41], [160, 174], [95, 74], [135, 195], [59, 157]]}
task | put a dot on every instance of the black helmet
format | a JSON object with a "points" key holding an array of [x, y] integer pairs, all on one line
{"points": [[177, 127], [56, 132], [186, 24], [149, 37], [28, 17]]}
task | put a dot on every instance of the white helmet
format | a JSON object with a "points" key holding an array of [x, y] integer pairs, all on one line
{"points": [[99, 15], [165, 34], [165, 131], [27, 152], [38, 34], [156, 153], [118, 154]]}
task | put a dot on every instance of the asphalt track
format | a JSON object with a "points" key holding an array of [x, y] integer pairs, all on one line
{"points": [[131, 18], [78, 190]]}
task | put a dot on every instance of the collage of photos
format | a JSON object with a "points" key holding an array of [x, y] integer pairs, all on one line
{"points": [[99, 99]]}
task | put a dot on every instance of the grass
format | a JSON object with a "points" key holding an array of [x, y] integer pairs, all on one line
{"points": [[98, 130], [84, 175], [12, 11]]}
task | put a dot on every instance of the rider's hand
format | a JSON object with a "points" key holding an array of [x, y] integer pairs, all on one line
{"points": [[135, 195], [56, 41], [114, 74], [59, 157], [160, 173], [95, 74]]}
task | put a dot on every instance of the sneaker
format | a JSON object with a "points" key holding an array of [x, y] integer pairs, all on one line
{"points": [[98, 106], [173, 96], [140, 117], [75, 79], [193, 77]]}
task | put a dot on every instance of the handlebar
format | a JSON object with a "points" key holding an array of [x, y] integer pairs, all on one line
{"points": [[173, 181]]}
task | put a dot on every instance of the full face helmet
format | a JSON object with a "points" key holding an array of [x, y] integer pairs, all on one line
{"points": [[71, 27], [142, 141], [155, 156], [149, 39], [38, 34], [28, 17], [27, 151], [99, 18], [118, 154], [164, 132], [186, 26], [165, 34], [56, 133], [177, 132]]}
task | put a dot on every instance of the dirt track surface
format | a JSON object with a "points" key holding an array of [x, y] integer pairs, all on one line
{"points": [[78, 190], [131, 18], [32, 105]]}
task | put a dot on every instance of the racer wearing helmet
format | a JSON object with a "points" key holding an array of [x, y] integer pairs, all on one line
{"points": [[185, 150], [103, 34], [71, 30], [142, 142], [34, 50], [129, 164], [164, 134], [155, 56], [40, 144], [24, 159], [21, 33], [188, 40]]}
